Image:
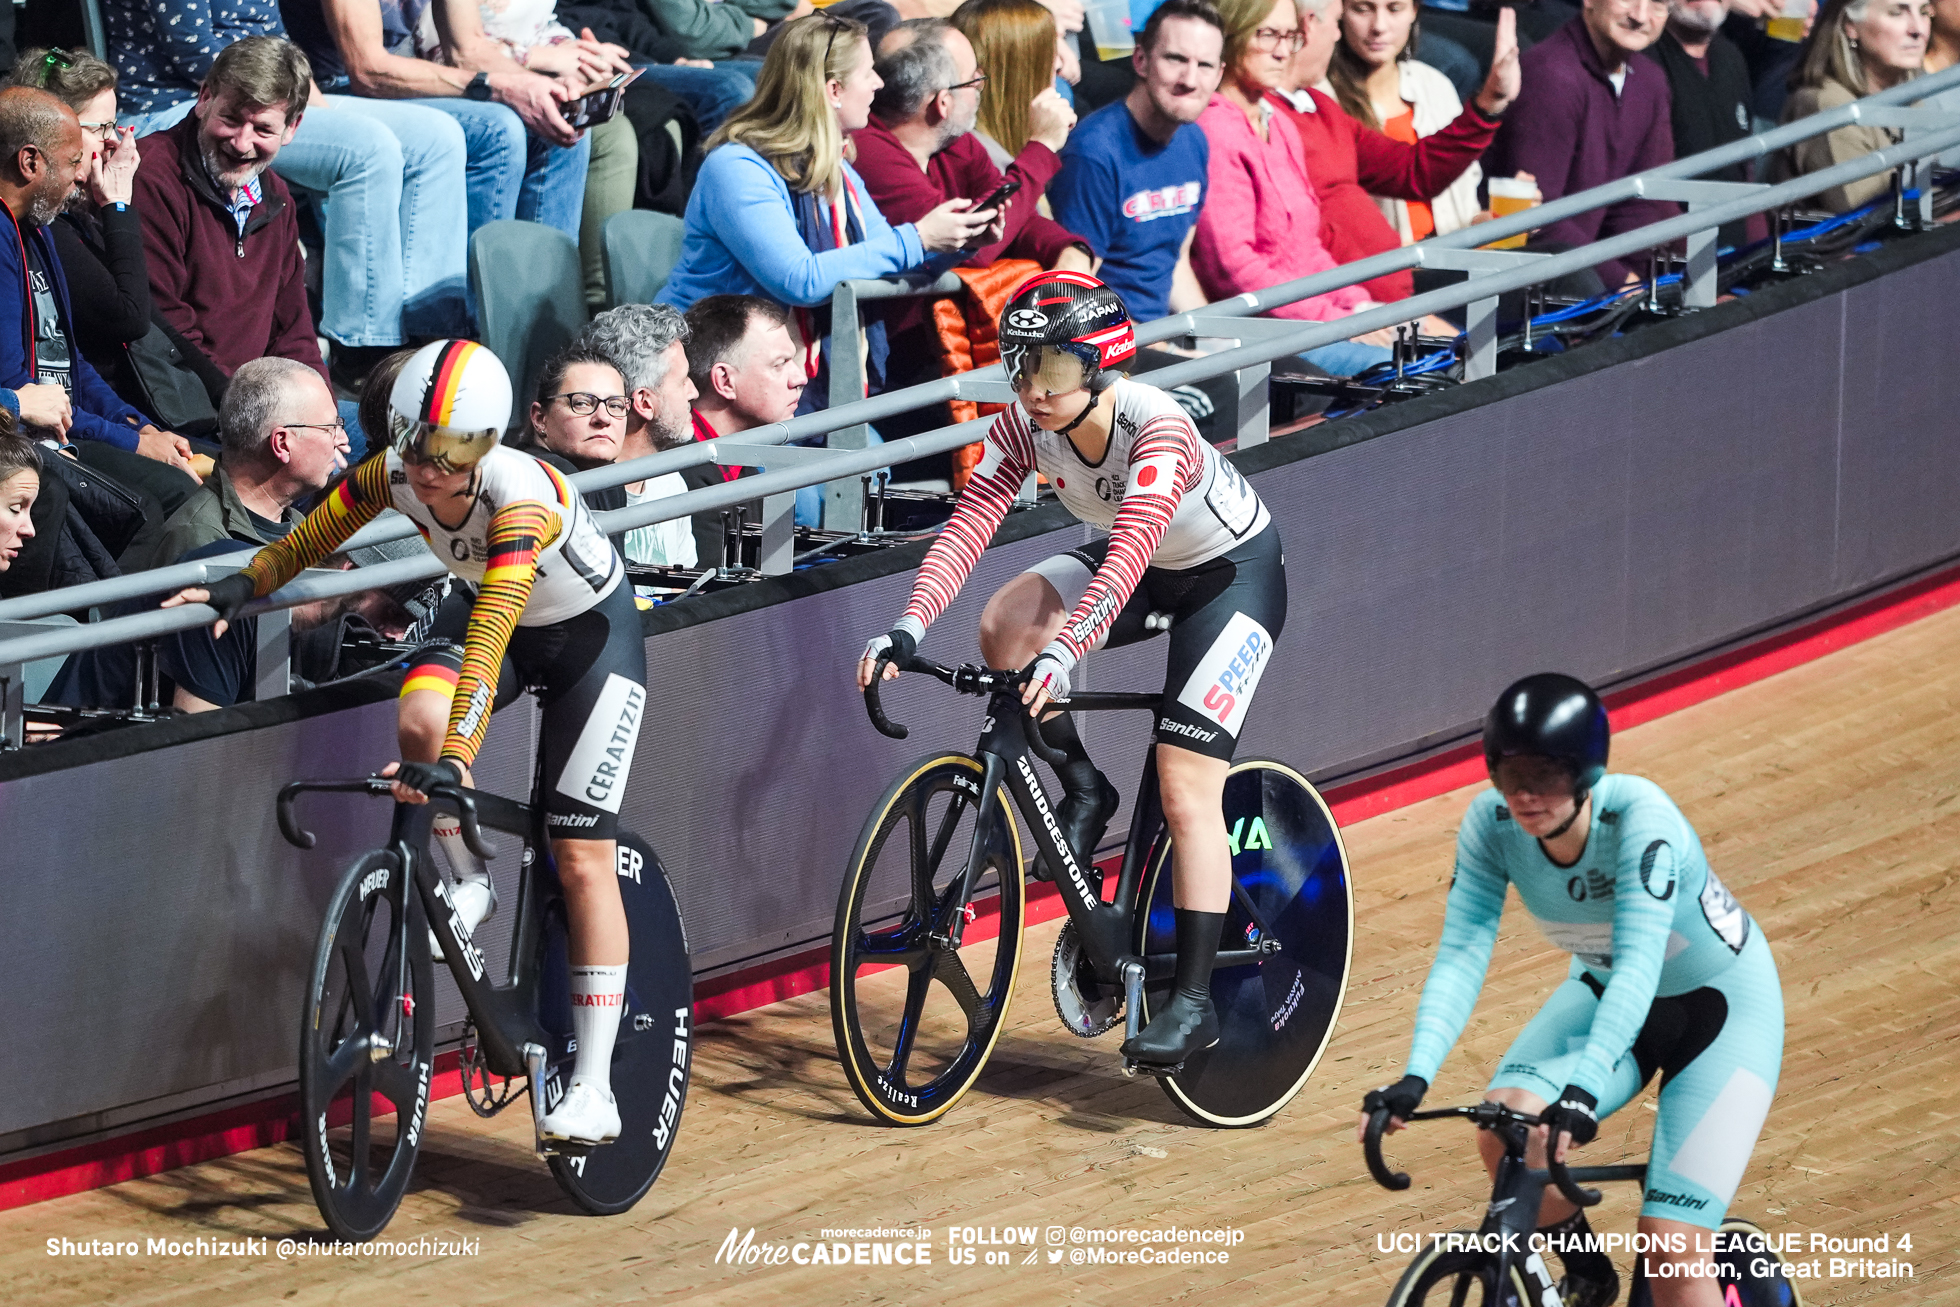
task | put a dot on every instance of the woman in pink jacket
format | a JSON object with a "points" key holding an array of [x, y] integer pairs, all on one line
{"points": [[1261, 223]]}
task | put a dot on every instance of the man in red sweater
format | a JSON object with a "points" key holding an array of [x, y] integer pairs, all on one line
{"points": [[919, 150], [219, 232], [1349, 163]]}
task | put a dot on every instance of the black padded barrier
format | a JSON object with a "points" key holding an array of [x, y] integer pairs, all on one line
{"points": [[1610, 512]]}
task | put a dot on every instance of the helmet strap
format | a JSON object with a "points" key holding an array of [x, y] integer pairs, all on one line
{"points": [[1578, 806], [1095, 398]]}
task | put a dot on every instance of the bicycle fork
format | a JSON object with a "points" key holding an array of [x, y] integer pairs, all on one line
{"points": [[1511, 1220]]}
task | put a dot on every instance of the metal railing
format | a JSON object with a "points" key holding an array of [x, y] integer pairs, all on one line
{"points": [[1257, 342]]}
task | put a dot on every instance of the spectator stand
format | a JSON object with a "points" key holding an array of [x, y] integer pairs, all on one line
{"points": [[1928, 133]]}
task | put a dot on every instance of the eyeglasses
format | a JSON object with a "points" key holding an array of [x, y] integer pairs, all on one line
{"points": [[836, 24], [337, 428], [103, 131], [979, 79], [1271, 38], [585, 404]]}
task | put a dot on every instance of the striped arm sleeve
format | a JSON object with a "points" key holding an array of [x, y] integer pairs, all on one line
{"points": [[517, 533], [1005, 464], [1456, 977], [1163, 465], [356, 501]]}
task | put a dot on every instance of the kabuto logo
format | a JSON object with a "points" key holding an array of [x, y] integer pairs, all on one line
{"points": [[1027, 320]]}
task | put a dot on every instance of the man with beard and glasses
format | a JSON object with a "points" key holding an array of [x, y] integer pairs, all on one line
{"points": [[219, 230], [44, 157], [647, 344], [1708, 82]]}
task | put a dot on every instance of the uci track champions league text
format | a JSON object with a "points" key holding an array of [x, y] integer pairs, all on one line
{"points": [[958, 1247]]}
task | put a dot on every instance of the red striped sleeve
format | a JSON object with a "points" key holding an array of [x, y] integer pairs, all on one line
{"points": [[1008, 460], [1162, 468]]}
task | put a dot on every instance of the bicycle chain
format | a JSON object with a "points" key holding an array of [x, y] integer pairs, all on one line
{"points": [[475, 1073]]}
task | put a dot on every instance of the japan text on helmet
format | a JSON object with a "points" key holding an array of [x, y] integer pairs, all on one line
{"points": [[1550, 716], [1054, 317], [450, 405]]}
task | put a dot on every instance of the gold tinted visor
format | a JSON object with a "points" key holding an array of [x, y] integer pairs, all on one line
{"points": [[449, 449], [1048, 369]]}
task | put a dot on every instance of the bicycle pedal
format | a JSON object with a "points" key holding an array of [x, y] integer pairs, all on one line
{"points": [[1162, 1070]]}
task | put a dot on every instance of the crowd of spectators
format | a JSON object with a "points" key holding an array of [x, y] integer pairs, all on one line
{"points": [[229, 231]]}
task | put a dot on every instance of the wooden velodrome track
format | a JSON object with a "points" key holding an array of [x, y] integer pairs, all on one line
{"points": [[1829, 799]]}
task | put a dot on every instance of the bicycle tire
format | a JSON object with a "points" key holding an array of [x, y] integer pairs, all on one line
{"points": [[962, 1033], [1458, 1274], [653, 1053], [360, 981], [1276, 1016]]}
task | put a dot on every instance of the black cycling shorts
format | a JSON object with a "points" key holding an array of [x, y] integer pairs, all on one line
{"points": [[1226, 615], [589, 673]]}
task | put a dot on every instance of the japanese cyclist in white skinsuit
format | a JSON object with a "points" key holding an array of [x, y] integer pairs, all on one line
{"points": [[542, 602], [1187, 536], [1669, 974]]}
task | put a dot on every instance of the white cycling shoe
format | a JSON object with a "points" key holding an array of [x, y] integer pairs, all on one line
{"points": [[586, 1114], [475, 902]]}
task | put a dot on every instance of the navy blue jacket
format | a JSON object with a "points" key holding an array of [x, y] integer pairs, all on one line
{"points": [[100, 413]]}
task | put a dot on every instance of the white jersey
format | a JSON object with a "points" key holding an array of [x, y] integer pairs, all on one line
{"points": [[1150, 437], [577, 565]]}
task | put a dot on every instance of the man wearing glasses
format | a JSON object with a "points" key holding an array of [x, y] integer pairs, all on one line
{"points": [[919, 151], [283, 442]]}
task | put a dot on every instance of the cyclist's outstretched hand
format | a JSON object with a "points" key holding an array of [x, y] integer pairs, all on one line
{"points": [[416, 777], [227, 595], [1401, 1099], [897, 645], [1573, 1120], [1048, 678]]}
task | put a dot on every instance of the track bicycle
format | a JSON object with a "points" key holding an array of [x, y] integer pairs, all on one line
{"points": [[941, 848], [367, 1035], [1509, 1272]]}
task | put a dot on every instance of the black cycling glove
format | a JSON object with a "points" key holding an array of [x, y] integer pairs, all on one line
{"points": [[1401, 1098], [1575, 1113], [229, 594], [897, 646], [422, 776]]}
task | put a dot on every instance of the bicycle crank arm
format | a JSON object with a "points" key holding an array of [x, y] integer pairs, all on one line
{"points": [[1132, 1006], [534, 1066]]}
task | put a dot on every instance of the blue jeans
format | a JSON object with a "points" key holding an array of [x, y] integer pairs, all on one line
{"points": [[712, 93], [1344, 358], [513, 174], [395, 238]]}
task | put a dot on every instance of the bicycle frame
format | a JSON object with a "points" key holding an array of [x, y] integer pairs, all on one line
{"points": [[505, 1014], [1007, 738], [1512, 1216]]}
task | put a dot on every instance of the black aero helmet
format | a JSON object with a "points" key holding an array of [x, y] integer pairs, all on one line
{"points": [[1554, 716], [1054, 316]]}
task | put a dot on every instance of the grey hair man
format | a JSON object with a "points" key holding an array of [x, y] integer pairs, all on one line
{"points": [[647, 343], [283, 441]]}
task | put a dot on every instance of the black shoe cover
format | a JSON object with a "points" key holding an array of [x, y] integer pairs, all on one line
{"points": [[1188, 1022], [1084, 816]]}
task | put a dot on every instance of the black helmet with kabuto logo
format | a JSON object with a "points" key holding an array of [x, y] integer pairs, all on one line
{"points": [[1066, 331], [1550, 715]]}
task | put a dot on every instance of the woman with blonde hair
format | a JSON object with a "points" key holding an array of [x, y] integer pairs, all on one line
{"points": [[1856, 48], [778, 213], [1017, 47]]}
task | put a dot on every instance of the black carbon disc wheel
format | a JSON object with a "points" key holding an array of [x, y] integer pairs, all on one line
{"points": [[366, 1049], [915, 1017], [654, 1051], [1291, 895], [1456, 1279]]}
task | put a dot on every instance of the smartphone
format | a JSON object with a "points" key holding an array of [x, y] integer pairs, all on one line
{"points": [[1001, 195], [601, 105]]}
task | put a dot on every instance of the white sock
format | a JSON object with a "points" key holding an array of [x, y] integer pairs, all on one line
{"points": [[449, 838], [598, 998]]}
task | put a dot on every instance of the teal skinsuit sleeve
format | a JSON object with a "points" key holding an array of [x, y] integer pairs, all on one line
{"points": [[1456, 977], [1645, 892]]}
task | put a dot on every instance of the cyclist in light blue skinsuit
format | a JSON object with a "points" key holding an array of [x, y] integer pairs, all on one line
{"points": [[1668, 974]]}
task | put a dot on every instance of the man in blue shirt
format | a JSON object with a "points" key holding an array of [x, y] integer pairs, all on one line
{"points": [[1133, 174]]}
